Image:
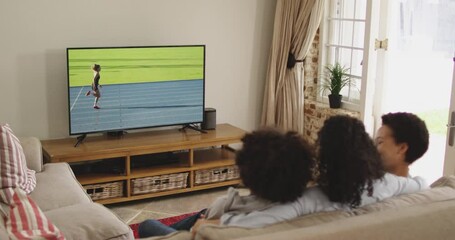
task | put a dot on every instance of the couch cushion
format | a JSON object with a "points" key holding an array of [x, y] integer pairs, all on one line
{"points": [[89, 221], [425, 221], [225, 232], [33, 152], [57, 187], [13, 166]]}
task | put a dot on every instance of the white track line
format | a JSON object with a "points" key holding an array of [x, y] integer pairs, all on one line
{"points": [[136, 95], [74, 103]]}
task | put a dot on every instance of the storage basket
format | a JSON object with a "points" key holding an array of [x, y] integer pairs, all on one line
{"points": [[216, 175], [159, 183], [104, 190]]}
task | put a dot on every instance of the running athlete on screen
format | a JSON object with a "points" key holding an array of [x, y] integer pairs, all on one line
{"points": [[95, 85]]}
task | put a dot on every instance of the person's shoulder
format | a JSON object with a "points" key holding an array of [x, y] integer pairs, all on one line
{"points": [[314, 191], [421, 181], [313, 194], [389, 177], [315, 200], [389, 180]]}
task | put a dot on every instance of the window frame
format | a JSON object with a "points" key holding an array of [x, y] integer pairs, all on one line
{"points": [[324, 45]]}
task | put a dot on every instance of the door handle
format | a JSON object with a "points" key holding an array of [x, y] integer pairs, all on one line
{"points": [[451, 128]]}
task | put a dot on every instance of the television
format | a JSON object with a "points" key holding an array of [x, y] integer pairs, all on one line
{"points": [[112, 89]]}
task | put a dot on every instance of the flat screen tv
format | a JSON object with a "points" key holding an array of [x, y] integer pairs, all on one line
{"points": [[112, 89]]}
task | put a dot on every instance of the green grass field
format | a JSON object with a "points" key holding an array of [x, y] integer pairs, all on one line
{"points": [[436, 120], [136, 65]]}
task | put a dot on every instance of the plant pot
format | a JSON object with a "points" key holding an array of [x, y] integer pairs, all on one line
{"points": [[335, 101]]}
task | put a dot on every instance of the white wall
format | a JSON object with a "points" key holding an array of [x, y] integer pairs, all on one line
{"points": [[34, 36]]}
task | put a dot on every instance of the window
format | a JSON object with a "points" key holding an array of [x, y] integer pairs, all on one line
{"points": [[343, 32]]}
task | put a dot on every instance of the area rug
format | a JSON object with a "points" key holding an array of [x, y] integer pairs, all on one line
{"points": [[167, 221]]}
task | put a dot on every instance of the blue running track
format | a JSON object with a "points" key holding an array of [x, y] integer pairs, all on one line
{"points": [[126, 106]]}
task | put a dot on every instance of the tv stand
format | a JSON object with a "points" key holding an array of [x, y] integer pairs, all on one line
{"points": [[193, 127], [80, 139], [114, 170]]}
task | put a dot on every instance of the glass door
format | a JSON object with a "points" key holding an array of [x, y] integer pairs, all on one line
{"points": [[449, 164], [415, 70]]}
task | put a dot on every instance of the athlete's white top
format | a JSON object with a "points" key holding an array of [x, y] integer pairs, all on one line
{"points": [[314, 200]]}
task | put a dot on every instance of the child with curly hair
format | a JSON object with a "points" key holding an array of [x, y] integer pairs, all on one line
{"points": [[275, 166]]}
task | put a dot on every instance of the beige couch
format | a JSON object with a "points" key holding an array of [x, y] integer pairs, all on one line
{"points": [[65, 202], [428, 214]]}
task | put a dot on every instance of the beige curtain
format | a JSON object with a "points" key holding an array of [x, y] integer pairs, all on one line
{"points": [[296, 23]]}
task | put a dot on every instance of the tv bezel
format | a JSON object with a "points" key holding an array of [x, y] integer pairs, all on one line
{"points": [[133, 128]]}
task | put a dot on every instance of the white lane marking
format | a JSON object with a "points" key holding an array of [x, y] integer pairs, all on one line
{"points": [[74, 103]]}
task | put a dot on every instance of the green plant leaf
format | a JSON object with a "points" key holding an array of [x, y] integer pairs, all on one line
{"points": [[335, 78]]}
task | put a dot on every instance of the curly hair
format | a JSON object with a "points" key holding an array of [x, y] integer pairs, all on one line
{"points": [[348, 160], [275, 166], [410, 129]]}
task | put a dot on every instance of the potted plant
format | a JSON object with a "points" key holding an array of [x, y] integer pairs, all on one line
{"points": [[334, 79]]}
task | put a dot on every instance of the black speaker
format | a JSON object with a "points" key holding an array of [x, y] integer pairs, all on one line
{"points": [[209, 122]]}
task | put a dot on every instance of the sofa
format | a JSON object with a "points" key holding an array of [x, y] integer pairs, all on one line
{"points": [[429, 214], [65, 203]]}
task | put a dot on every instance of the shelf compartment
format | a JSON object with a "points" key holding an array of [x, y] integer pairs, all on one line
{"points": [[159, 183], [105, 190], [105, 167], [212, 158], [159, 170], [99, 178], [213, 175], [160, 159]]}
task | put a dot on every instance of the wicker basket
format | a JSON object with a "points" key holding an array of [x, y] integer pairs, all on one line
{"points": [[159, 183], [105, 190], [216, 175]]}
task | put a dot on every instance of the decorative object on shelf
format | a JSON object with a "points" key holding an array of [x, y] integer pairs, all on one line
{"points": [[334, 79], [216, 175], [105, 190], [209, 122], [159, 183]]}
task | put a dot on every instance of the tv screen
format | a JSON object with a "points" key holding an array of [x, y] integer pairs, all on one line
{"points": [[120, 88]]}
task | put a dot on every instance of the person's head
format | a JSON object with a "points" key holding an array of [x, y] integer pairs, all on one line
{"points": [[275, 166], [96, 67], [402, 139], [348, 160]]}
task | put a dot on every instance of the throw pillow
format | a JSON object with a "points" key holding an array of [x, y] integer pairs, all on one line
{"points": [[13, 166], [25, 220]]}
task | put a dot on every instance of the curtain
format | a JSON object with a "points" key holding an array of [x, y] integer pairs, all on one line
{"points": [[295, 26]]}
